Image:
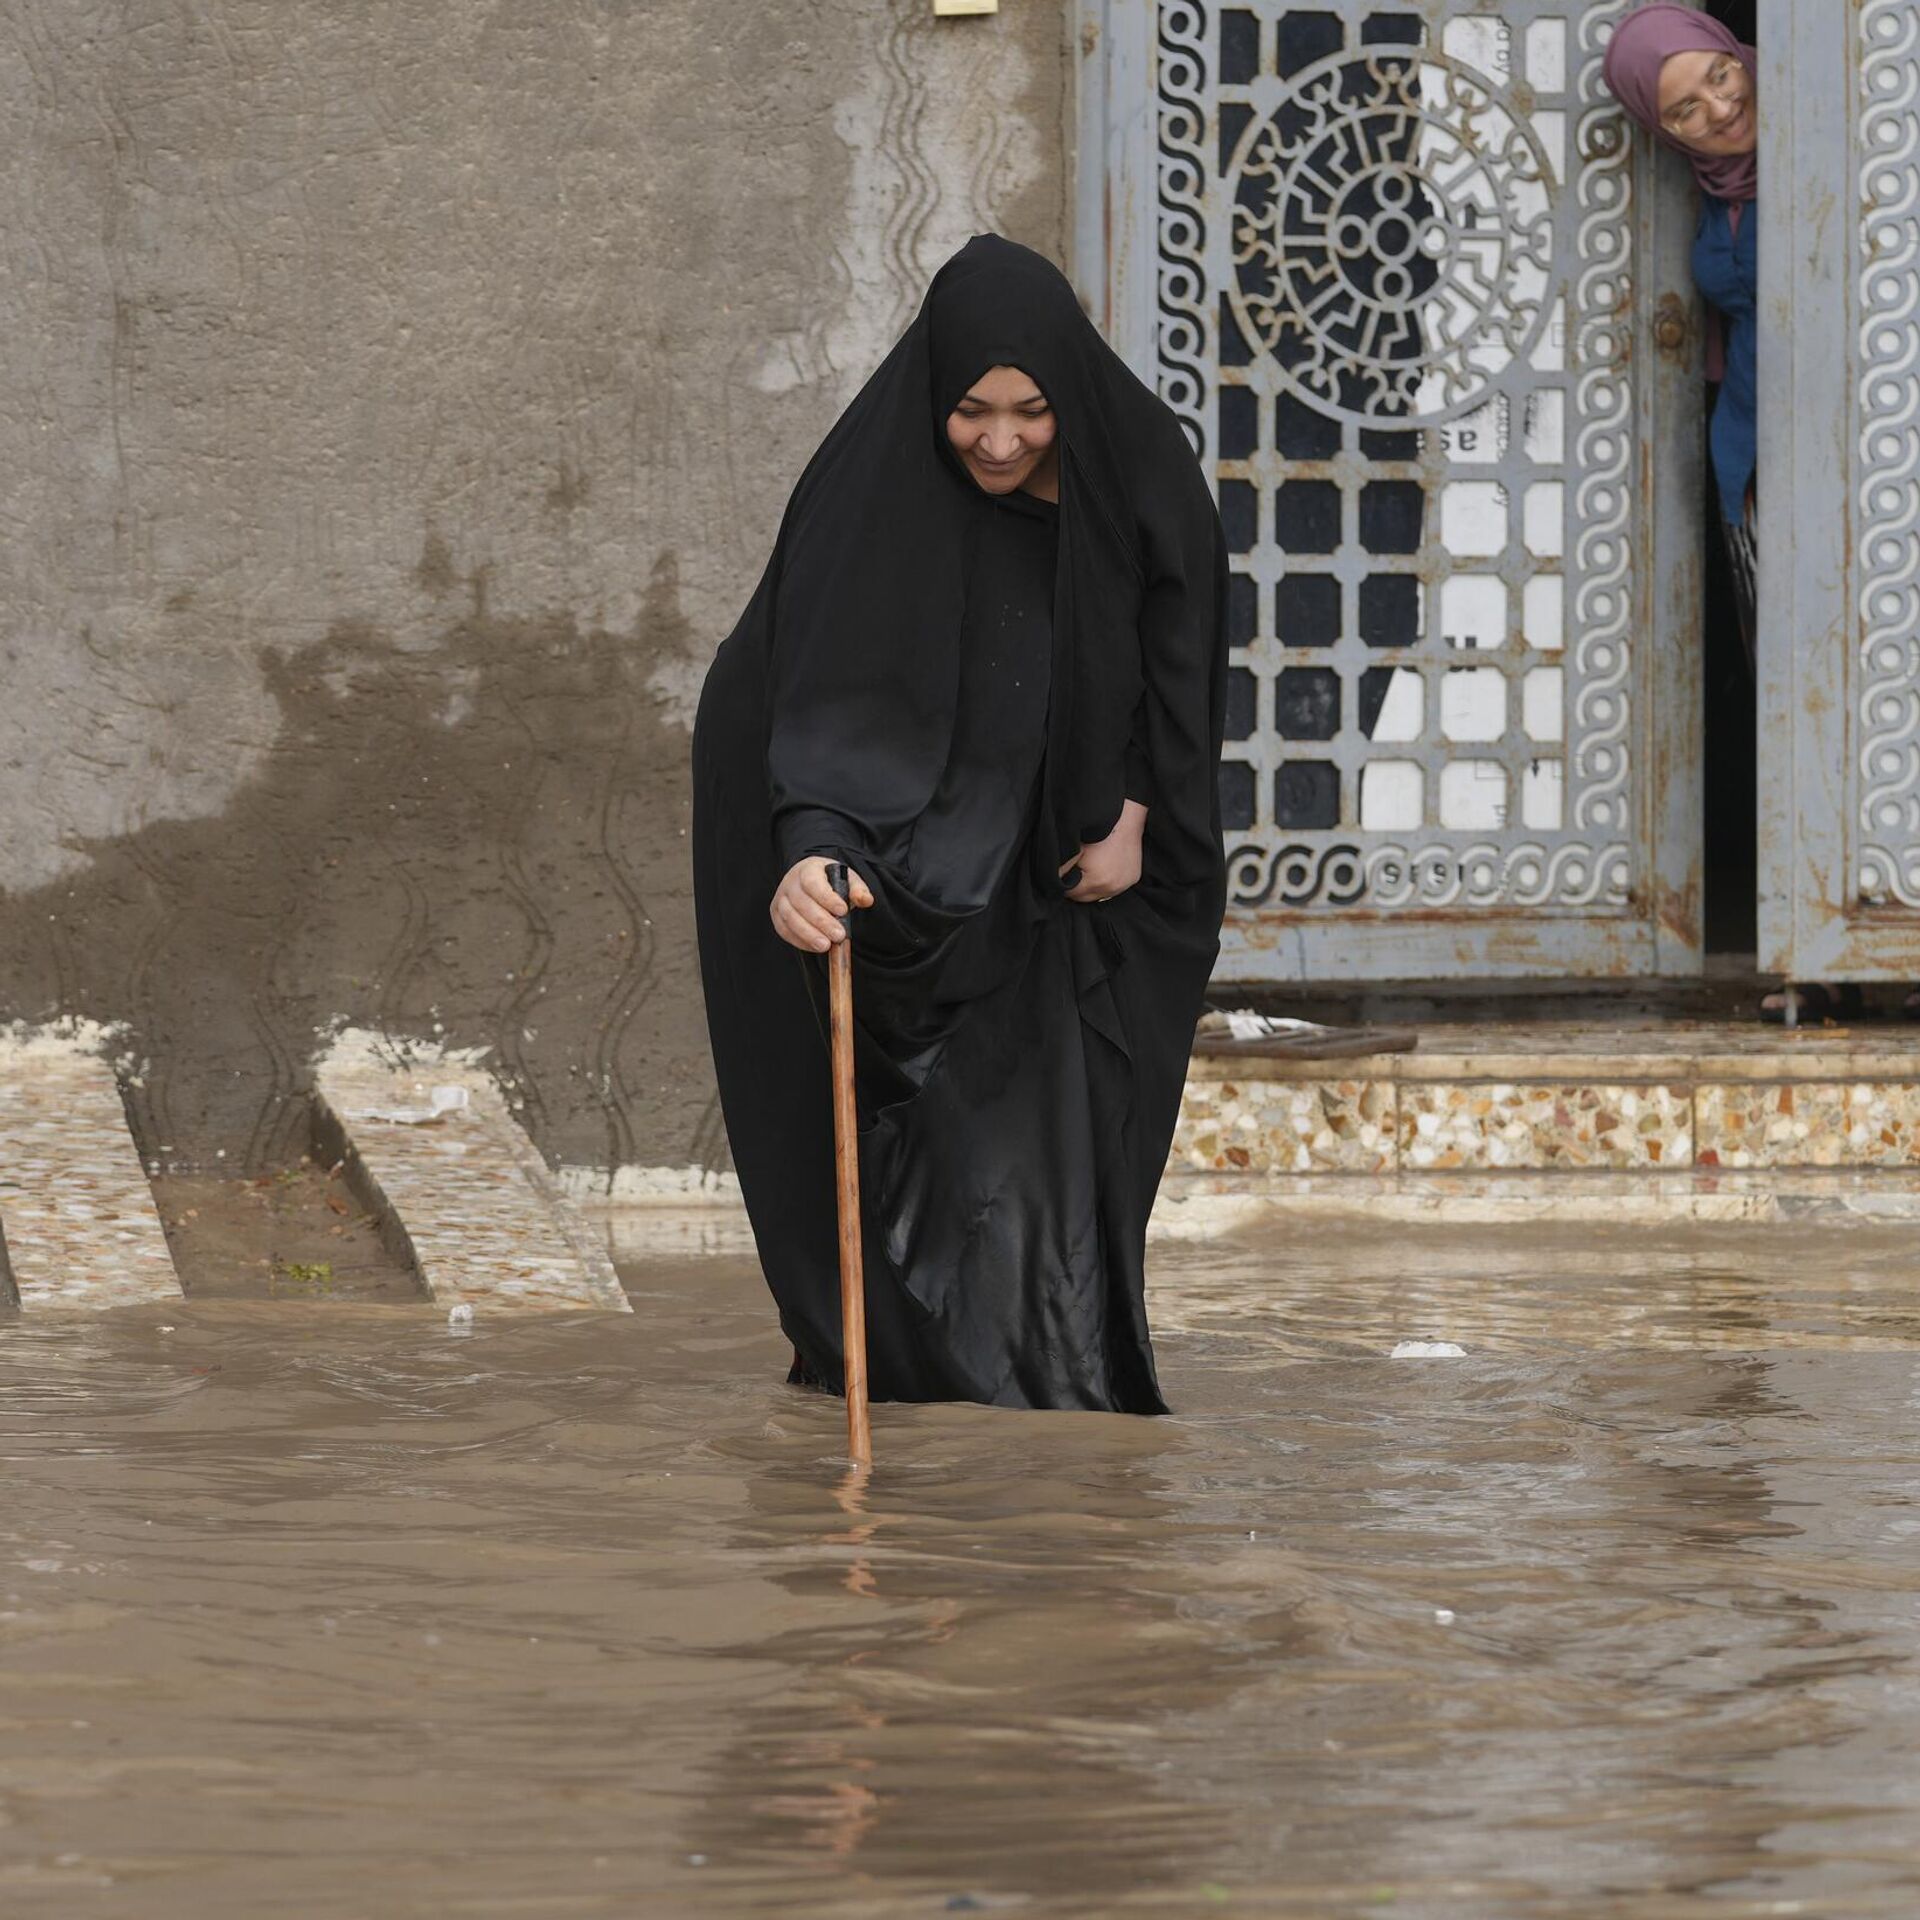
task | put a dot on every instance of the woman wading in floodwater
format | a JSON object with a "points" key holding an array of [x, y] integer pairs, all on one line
{"points": [[985, 668]]}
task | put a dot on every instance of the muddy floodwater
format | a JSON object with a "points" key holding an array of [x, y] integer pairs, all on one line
{"points": [[322, 1608]]}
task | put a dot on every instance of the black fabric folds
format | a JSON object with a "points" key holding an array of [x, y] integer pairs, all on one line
{"points": [[953, 692]]}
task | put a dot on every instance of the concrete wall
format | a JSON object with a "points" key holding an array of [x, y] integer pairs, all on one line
{"points": [[399, 402]]}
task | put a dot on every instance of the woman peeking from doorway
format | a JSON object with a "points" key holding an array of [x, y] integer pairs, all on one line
{"points": [[986, 670], [1686, 79], [1692, 84]]}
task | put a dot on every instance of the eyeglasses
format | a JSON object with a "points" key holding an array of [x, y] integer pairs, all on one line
{"points": [[1686, 117]]}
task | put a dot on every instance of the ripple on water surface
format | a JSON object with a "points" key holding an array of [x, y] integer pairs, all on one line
{"points": [[322, 1609]]}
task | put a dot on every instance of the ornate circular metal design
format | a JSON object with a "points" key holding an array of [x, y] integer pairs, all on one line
{"points": [[1392, 235]]}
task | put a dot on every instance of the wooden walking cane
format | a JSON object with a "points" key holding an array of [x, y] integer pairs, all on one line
{"points": [[846, 1155]]}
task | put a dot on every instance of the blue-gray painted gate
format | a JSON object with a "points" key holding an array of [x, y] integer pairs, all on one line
{"points": [[1423, 304], [1839, 490]]}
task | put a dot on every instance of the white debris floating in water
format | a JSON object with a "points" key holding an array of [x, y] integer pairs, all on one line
{"points": [[460, 1318], [1427, 1350], [441, 1101]]}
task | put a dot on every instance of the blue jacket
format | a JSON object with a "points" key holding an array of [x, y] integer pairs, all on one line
{"points": [[1726, 269]]}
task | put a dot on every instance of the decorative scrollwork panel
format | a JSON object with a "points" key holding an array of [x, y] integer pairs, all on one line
{"points": [[1395, 286], [1888, 440]]}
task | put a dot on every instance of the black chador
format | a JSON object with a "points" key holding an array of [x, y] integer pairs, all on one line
{"points": [[951, 691]]}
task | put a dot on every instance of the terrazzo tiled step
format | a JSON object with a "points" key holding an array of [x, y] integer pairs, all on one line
{"points": [[481, 1216], [76, 1213], [1626, 1099]]}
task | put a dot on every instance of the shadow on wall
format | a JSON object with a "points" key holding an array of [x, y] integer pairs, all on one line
{"points": [[483, 842]]}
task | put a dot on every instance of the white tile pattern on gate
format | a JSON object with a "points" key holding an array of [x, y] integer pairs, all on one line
{"points": [[488, 1222], [79, 1219]]}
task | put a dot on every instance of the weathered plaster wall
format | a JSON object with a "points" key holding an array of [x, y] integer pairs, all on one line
{"points": [[398, 406]]}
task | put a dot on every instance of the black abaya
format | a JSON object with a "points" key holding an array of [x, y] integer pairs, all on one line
{"points": [[951, 692]]}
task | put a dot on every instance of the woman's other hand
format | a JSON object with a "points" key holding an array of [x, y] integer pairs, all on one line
{"points": [[805, 910], [1111, 865]]}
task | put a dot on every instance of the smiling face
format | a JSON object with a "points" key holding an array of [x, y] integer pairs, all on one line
{"points": [[1004, 432], [1706, 102]]}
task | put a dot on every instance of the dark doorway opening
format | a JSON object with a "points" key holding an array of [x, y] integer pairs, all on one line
{"points": [[1730, 770]]}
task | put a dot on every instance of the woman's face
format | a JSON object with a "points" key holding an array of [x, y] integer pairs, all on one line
{"points": [[1002, 429], [1706, 102]]}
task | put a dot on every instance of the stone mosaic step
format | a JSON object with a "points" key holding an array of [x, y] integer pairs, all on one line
{"points": [[1630, 1099], [76, 1214], [462, 1186]]}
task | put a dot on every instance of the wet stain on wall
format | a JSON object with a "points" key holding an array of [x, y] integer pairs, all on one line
{"points": [[482, 843], [399, 411]]}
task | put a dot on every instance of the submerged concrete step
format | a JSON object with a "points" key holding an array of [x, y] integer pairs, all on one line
{"points": [[464, 1192], [77, 1217], [1201, 1206], [1631, 1124]]}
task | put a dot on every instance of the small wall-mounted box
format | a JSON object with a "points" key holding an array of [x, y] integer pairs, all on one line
{"points": [[966, 6]]}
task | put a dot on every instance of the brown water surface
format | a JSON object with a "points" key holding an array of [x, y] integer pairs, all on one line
{"points": [[321, 1608]]}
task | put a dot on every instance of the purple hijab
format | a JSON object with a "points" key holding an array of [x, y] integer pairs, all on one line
{"points": [[1641, 45]]}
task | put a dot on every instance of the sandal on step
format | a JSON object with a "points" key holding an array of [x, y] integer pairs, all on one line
{"points": [[1819, 1005], [1268, 1037]]}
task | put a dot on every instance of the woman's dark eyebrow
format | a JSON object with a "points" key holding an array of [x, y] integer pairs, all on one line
{"points": [[1019, 406]]}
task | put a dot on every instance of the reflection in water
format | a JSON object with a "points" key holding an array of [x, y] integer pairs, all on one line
{"points": [[313, 1608]]}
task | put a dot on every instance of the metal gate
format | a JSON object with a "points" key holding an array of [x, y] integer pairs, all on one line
{"points": [[1839, 638], [1424, 308]]}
